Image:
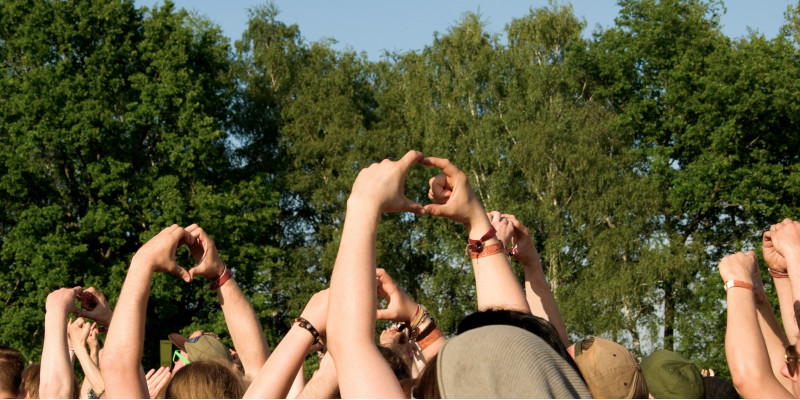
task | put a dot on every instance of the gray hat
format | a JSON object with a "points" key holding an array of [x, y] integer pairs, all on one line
{"points": [[503, 361]]}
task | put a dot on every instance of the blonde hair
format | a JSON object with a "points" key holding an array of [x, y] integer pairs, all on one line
{"points": [[206, 380]]}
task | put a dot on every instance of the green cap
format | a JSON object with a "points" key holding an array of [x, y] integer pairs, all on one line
{"points": [[670, 376]]}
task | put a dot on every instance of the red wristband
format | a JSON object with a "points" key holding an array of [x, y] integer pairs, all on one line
{"points": [[226, 274], [477, 245], [489, 250]]}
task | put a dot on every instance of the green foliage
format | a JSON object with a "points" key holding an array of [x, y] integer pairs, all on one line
{"points": [[639, 157]]}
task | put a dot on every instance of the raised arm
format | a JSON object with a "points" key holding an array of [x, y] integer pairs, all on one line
{"points": [[361, 369], [56, 370], [120, 364], [95, 307], [495, 283], [276, 377], [323, 385], [778, 268], [537, 292], [79, 332], [240, 317], [745, 349]]}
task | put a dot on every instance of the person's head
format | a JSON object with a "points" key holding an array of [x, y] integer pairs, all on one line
{"points": [[670, 376], [499, 361], [30, 381], [531, 323], [610, 370], [11, 366], [206, 379], [397, 361]]}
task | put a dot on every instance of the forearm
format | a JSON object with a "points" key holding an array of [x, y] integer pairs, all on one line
{"points": [[783, 287], [352, 308], [275, 379], [90, 370], [774, 340], [125, 340], [745, 349], [56, 368], [244, 327], [541, 299], [495, 283], [298, 384], [323, 385]]}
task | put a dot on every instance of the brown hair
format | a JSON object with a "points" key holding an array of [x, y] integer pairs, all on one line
{"points": [[30, 381], [206, 380], [427, 385], [11, 366], [397, 361]]}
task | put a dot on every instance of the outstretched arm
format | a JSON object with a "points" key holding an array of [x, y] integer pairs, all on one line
{"points": [[745, 349], [240, 317], [361, 369], [537, 291], [79, 332], [122, 357], [56, 371], [276, 377], [495, 282]]}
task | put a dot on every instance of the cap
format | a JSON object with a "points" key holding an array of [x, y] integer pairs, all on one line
{"points": [[670, 376], [610, 370], [503, 361], [201, 347]]}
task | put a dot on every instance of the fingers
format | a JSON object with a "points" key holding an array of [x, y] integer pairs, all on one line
{"points": [[439, 189], [411, 158], [149, 373], [442, 163]]}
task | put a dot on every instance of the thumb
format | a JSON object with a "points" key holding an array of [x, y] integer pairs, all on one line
{"points": [[180, 272], [436, 210], [383, 315], [414, 207]]}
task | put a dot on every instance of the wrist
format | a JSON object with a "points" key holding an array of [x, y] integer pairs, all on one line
{"points": [[360, 205]]}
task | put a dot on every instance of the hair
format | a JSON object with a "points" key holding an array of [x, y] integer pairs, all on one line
{"points": [[397, 361], [11, 366], [531, 323], [427, 383], [29, 388], [206, 380]]}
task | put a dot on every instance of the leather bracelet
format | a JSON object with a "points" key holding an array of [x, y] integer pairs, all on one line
{"points": [[425, 332], [303, 323], [226, 274], [735, 283], [430, 338], [489, 250], [477, 245], [778, 274]]}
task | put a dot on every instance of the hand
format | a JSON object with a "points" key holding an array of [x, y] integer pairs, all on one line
{"points": [[316, 311], [63, 300], [451, 193], [157, 381], [503, 226], [78, 333], [95, 307], [526, 251], [707, 372], [92, 340], [382, 184], [774, 259], [738, 267], [786, 239], [400, 307], [159, 252], [204, 252]]}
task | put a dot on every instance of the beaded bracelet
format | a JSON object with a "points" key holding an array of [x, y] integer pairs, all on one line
{"points": [[303, 323]]}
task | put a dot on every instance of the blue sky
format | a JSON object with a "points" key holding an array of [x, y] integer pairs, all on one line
{"points": [[373, 26]]}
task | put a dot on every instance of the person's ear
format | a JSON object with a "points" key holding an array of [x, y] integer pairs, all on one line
{"points": [[785, 373]]}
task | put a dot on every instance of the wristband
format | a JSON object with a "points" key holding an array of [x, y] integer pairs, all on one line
{"points": [[425, 332], [303, 323], [777, 274], [734, 283], [477, 245], [226, 274], [428, 340], [489, 250]]}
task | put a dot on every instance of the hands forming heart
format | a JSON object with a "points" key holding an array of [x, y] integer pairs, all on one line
{"points": [[159, 253]]}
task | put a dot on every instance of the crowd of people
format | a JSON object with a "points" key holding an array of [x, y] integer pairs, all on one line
{"points": [[514, 346]]}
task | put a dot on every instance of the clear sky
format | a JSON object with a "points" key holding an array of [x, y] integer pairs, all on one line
{"points": [[373, 26]]}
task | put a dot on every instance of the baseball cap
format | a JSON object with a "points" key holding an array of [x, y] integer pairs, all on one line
{"points": [[670, 376], [201, 347], [610, 370]]}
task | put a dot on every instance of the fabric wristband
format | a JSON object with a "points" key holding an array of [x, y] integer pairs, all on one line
{"points": [[489, 250], [477, 245], [734, 283], [777, 274], [226, 274], [428, 340]]}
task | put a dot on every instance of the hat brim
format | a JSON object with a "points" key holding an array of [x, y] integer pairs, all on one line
{"points": [[179, 340]]}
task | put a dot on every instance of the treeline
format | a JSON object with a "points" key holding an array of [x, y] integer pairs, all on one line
{"points": [[640, 156]]}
